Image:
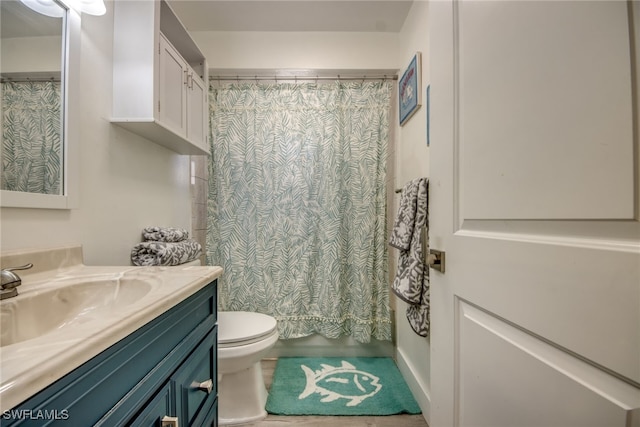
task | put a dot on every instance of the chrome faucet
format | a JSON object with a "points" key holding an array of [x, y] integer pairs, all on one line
{"points": [[10, 281]]}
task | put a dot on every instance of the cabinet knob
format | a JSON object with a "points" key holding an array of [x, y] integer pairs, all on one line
{"points": [[205, 386], [168, 421]]}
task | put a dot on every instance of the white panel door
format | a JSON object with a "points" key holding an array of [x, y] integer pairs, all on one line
{"points": [[534, 197], [173, 89]]}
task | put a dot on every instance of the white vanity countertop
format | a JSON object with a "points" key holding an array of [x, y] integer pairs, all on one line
{"points": [[29, 366]]}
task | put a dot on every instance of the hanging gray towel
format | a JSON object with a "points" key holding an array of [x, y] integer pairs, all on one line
{"points": [[411, 283], [403, 227], [165, 253]]}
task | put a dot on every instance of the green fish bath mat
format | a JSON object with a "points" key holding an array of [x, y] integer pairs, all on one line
{"points": [[339, 386]]}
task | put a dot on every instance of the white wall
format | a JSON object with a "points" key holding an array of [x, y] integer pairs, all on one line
{"points": [[126, 182], [32, 54], [412, 161], [298, 50]]}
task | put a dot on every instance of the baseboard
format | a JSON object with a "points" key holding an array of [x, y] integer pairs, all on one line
{"points": [[421, 391]]}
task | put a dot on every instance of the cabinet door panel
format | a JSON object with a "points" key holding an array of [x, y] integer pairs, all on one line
{"points": [[194, 403], [197, 111], [161, 405], [172, 109]]}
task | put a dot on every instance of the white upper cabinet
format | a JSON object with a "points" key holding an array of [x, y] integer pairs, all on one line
{"points": [[159, 89]]}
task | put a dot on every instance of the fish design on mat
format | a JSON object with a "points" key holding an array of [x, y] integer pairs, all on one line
{"points": [[340, 382]]}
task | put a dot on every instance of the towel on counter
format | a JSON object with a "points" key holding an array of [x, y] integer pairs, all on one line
{"points": [[411, 283], [164, 234], [165, 253]]}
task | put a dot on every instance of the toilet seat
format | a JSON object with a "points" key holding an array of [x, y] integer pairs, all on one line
{"points": [[236, 328]]}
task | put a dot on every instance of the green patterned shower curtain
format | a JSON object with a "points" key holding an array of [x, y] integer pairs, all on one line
{"points": [[31, 137], [296, 206]]}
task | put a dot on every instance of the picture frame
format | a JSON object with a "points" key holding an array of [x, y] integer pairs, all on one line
{"points": [[410, 89], [428, 108]]}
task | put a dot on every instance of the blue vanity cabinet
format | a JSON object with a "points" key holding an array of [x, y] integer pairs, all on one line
{"points": [[167, 368]]}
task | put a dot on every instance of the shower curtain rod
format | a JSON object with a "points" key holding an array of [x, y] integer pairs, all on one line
{"points": [[27, 79], [303, 78], [36, 76]]}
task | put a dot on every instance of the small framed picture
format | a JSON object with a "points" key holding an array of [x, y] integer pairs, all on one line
{"points": [[428, 102], [410, 88]]}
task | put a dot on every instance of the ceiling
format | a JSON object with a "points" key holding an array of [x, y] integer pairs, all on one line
{"points": [[248, 15], [17, 20], [292, 15]]}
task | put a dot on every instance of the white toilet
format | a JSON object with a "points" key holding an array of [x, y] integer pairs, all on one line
{"points": [[244, 338]]}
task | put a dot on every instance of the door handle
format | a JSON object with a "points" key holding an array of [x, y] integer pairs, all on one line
{"points": [[205, 386], [435, 260], [168, 421]]}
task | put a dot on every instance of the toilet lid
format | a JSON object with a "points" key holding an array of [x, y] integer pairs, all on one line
{"points": [[242, 327]]}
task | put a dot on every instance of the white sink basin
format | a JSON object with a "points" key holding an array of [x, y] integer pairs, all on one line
{"points": [[34, 314]]}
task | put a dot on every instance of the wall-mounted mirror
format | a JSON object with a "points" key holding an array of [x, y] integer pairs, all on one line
{"points": [[39, 40]]}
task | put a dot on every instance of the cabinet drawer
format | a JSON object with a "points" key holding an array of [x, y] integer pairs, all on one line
{"points": [[194, 402], [161, 405]]}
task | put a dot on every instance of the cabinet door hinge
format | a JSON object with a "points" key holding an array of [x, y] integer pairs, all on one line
{"points": [[158, 106]]}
